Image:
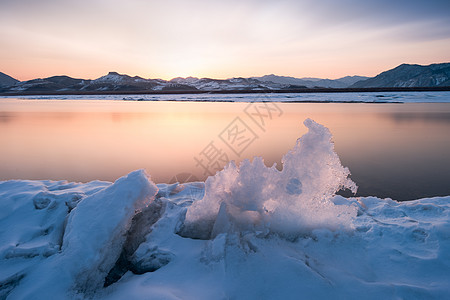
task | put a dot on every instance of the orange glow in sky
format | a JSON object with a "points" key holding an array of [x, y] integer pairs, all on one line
{"points": [[219, 39]]}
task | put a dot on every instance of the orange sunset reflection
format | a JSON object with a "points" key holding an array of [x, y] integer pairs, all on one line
{"points": [[61, 140]]}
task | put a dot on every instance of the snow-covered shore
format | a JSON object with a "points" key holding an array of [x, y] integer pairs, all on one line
{"points": [[350, 97], [249, 232]]}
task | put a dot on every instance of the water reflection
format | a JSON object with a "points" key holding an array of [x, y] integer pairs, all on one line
{"points": [[422, 117], [393, 150], [6, 117]]}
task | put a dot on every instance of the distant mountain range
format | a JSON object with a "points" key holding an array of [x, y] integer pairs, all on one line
{"points": [[435, 75], [409, 76], [312, 82]]}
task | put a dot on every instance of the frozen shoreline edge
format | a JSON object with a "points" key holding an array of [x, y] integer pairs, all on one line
{"points": [[411, 237]]}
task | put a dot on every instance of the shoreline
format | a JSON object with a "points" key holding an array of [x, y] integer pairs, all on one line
{"points": [[199, 92]]}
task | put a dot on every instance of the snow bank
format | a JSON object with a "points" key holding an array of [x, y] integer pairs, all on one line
{"points": [[93, 240], [32, 215], [294, 201]]}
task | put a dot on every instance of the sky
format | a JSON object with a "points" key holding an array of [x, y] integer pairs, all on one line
{"points": [[220, 39]]}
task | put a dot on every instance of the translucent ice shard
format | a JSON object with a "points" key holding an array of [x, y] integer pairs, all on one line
{"points": [[289, 202]]}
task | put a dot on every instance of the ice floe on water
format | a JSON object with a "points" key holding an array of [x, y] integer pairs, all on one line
{"points": [[249, 232]]}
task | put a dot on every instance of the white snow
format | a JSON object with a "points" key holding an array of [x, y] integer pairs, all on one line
{"points": [[92, 241], [111, 78], [249, 232], [206, 84]]}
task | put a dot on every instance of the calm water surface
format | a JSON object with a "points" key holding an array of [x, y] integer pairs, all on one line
{"points": [[401, 151]]}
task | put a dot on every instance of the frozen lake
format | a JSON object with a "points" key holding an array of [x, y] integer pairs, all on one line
{"points": [[393, 150]]}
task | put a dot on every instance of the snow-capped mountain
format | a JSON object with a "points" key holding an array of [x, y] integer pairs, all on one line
{"points": [[407, 75], [112, 82], [115, 82], [437, 75], [237, 83], [312, 82]]}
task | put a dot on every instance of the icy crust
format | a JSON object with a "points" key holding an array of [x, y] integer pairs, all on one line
{"points": [[32, 215], [294, 201]]}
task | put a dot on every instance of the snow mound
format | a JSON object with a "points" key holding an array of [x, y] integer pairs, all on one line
{"points": [[296, 200], [92, 242]]}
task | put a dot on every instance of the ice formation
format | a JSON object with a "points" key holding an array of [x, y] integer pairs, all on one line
{"points": [[92, 241], [295, 200], [129, 239]]}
